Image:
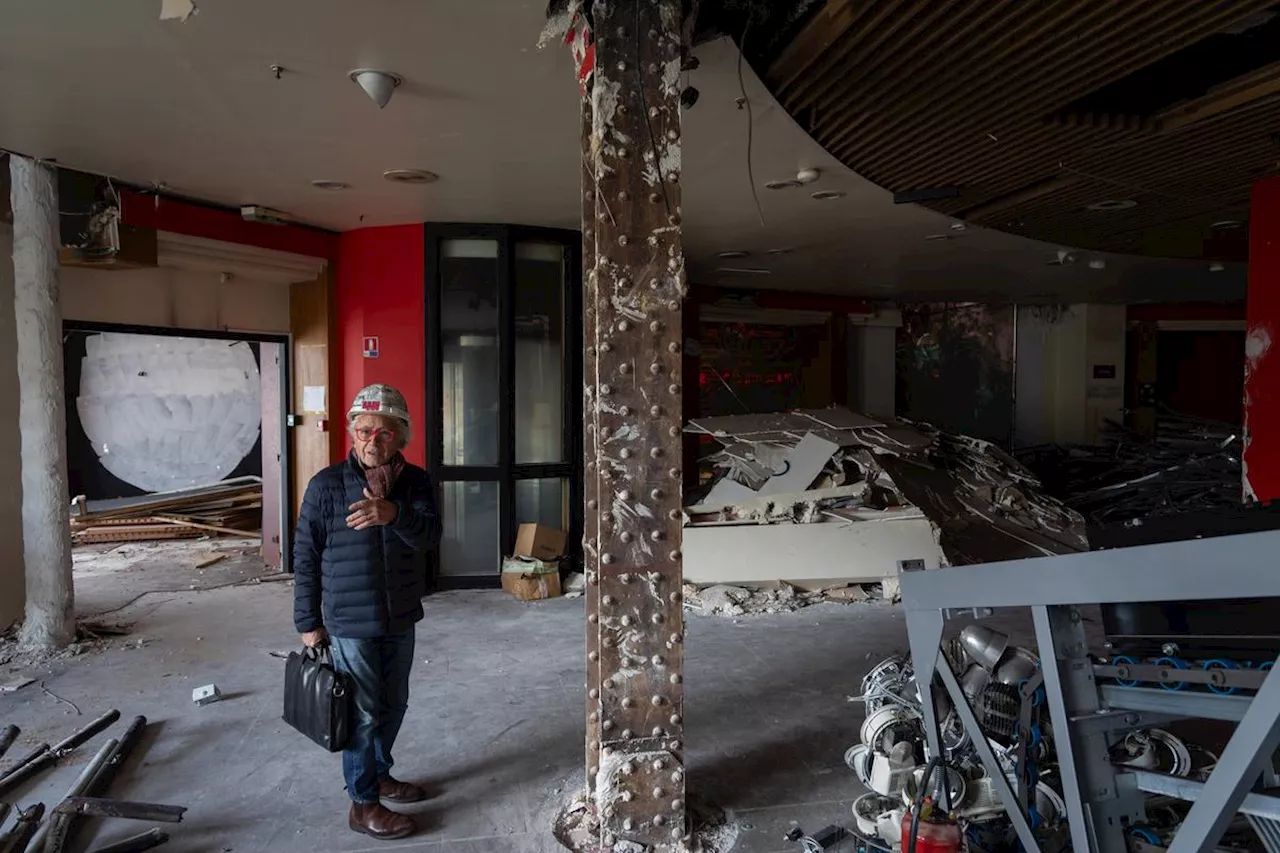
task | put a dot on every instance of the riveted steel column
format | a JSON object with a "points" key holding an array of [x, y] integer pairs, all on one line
{"points": [[591, 483], [639, 285]]}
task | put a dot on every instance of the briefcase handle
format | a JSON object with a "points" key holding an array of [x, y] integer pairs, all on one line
{"points": [[318, 653]]}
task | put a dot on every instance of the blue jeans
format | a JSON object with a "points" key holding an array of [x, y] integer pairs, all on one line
{"points": [[379, 668]]}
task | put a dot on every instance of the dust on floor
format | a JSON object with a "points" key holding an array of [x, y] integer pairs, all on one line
{"points": [[495, 722]]}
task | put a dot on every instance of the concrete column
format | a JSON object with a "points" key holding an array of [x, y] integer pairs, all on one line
{"points": [[50, 611]]}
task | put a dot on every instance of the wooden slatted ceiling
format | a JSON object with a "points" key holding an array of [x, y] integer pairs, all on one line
{"points": [[975, 94]]}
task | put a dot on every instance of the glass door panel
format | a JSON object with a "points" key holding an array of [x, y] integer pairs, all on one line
{"points": [[539, 344], [469, 352]]}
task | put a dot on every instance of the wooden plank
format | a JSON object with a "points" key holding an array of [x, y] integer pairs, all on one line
{"points": [[310, 317]]}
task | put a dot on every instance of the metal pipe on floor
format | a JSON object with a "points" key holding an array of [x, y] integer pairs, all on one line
{"points": [[64, 827], [87, 732], [30, 764], [44, 757], [148, 840], [97, 807], [20, 833], [5, 808], [7, 738], [58, 823]]}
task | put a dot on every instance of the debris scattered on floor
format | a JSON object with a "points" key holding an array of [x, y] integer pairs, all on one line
{"points": [[816, 465], [577, 827], [1193, 465], [784, 597], [206, 695], [87, 795], [575, 585], [229, 508]]}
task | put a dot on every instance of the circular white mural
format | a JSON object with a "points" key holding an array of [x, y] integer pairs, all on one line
{"points": [[169, 413]]}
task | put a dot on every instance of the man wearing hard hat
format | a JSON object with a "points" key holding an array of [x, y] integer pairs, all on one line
{"points": [[359, 560]]}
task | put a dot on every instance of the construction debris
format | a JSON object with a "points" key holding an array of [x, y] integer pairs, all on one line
{"points": [[822, 465], [1192, 466], [228, 508], [784, 597], [206, 695]]}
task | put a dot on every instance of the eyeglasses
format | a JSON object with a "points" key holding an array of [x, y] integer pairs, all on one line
{"points": [[381, 436]]}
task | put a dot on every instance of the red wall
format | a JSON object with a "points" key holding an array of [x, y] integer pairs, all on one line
{"points": [[1262, 364], [379, 292]]}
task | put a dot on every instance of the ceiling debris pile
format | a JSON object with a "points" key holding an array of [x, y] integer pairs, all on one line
{"points": [[1192, 466], [866, 474], [781, 597]]}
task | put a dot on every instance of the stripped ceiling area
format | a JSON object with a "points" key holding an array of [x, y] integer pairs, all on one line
{"points": [[1112, 126]]}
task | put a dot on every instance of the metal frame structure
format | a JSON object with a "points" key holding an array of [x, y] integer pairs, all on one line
{"points": [[1104, 800]]}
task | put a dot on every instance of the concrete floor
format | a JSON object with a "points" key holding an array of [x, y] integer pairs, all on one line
{"points": [[495, 721]]}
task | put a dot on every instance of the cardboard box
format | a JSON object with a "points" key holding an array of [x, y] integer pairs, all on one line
{"points": [[540, 542], [531, 580]]}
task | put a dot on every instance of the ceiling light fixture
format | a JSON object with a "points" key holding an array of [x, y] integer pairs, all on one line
{"points": [[781, 185], [732, 255], [1228, 223], [744, 270], [1097, 264], [938, 236], [828, 195], [1216, 266], [784, 251], [410, 176], [808, 176], [330, 185], [1113, 204], [378, 85]]}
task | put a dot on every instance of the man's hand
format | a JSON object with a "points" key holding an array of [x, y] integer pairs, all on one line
{"points": [[371, 512], [315, 639]]}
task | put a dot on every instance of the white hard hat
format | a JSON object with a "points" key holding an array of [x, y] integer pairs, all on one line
{"points": [[380, 400]]}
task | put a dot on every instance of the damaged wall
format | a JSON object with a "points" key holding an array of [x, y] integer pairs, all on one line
{"points": [[12, 579], [1070, 373], [1262, 369], [175, 298], [149, 413], [955, 368]]}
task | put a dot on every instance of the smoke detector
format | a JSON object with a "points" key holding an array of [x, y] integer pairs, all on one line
{"points": [[410, 176], [378, 85]]}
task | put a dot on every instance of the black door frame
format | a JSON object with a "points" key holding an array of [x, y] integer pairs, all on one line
{"points": [[286, 395], [507, 472]]}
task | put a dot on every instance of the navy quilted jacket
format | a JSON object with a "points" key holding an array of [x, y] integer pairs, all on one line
{"points": [[362, 583]]}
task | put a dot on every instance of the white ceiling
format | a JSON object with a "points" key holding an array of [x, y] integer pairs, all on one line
{"points": [[108, 87]]}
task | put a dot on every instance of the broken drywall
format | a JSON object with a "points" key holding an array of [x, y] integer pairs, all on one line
{"points": [[887, 487], [165, 413]]}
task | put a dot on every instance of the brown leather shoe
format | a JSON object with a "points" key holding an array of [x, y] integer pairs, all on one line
{"points": [[395, 791], [380, 822]]}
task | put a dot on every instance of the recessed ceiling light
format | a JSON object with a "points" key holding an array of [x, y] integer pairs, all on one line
{"points": [[781, 185], [744, 270], [828, 195], [731, 255], [785, 251], [410, 176], [1217, 267], [959, 226], [330, 185], [1113, 204], [1228, 223], [938, 236], [1097, 264]]}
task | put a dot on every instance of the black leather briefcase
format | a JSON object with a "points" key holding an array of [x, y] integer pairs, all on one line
{"points": [[317, 698]]}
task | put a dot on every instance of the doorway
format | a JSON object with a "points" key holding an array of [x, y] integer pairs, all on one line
{"points": [[504, 332]]}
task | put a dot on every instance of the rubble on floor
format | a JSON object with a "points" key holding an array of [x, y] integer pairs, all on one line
{"points": [[36, 827], [577, 827], [1193, 465], [822, 465], [731, 600], [229, 508]]}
